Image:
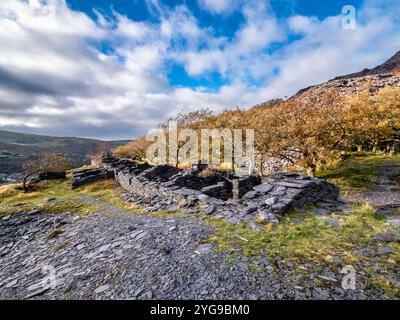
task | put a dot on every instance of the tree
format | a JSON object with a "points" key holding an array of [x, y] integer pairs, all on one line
{"points": [[306, 131], [232, 120], [135, 149], [102, 150], [264, 121], [191, 120], [50, 162], [373, 120]]}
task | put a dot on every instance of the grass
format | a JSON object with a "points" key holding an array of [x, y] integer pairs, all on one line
{"points": [[300, 235], [60, 189], [14, 200], [302, 238], [360, 172], [49, 197], [55, 233]]}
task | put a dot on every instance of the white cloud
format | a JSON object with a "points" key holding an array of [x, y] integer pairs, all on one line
{"points": [[219, 6], [326, 50], [261, 28], [302, 24], [134, 31], [63, 73]]}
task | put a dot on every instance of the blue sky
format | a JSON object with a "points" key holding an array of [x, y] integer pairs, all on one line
{"points": [[114, 69], [224, 25]]}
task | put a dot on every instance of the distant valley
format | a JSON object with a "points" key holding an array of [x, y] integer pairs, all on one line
{"points": [[17, 147]]}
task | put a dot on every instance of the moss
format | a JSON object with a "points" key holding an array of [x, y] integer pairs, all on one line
{"points": [[14, 200], [360, 172], [55, 233], [302, 237]]}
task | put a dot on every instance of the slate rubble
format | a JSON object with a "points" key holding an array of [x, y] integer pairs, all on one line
{"points": [[247, 197], [112, 255], [82, 177]]}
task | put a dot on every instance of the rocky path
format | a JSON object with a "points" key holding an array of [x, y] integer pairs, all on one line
{"points": [[385, 195], [112, 255], [386, 192]]}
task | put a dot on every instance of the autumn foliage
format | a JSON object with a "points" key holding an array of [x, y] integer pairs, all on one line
{"points": [[306, 131], [50, 162], [135, 149]]}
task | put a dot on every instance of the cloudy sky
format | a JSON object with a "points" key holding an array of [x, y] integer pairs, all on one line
{"points": [[114, 69]]}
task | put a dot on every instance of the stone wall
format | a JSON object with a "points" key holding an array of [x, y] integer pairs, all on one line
{"points": [[50, 175], [47, 175], [222, 194], [167, 185], [82, 177], [147, 190]]}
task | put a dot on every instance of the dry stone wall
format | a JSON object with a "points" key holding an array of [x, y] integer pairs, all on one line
{"points": [[82, 177], [221, 194]]}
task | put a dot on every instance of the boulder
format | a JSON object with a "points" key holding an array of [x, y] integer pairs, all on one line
{"points": [[243, 185], [80, 178], [52, 175], [264, 188]]}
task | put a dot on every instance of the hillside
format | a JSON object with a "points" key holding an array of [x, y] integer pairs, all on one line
{"points": [[386, 74], [390, 66], [95, 229], [16, 147]]}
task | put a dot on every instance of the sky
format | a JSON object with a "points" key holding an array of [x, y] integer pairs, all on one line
{"points": [[115, 69]]}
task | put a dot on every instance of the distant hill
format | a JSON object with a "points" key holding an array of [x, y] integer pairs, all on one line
{"points": [[16, 147], [386, 74], [390, 66]]}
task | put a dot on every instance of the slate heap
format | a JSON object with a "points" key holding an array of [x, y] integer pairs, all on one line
{"points": [[219, 193]]}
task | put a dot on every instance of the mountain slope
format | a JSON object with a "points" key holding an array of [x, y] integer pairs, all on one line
{"points": [[391, 66], [386, 74], [16, 147]]}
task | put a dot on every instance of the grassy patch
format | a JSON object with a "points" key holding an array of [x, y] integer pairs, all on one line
{"points": [[360, 172], [108, 191], [55, 233], [49, 197], [12, 194], [13, 199], [301, 235], [302, 238]]}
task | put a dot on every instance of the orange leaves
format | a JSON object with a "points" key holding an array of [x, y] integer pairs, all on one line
{"points": [[309, 129], [135, 149], [51, 162]]}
